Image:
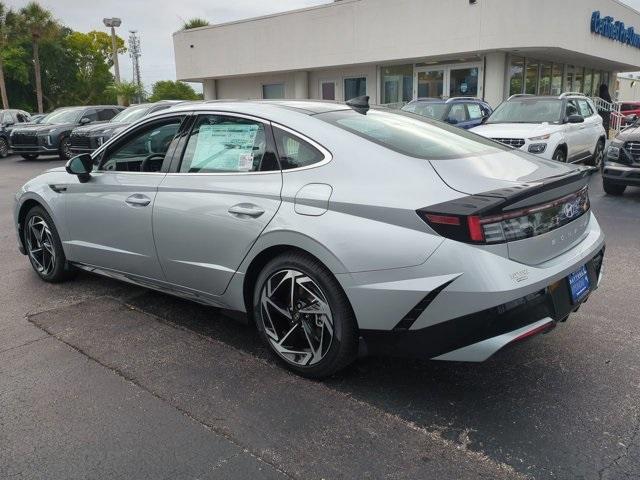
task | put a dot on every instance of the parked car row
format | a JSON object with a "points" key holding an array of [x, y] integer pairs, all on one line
{"points": [[68, 130]]}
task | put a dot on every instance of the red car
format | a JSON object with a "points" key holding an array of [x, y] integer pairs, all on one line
{"points": [[627, 109]]}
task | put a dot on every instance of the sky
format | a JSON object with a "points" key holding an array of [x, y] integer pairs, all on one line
{"points": [[156, 20]]}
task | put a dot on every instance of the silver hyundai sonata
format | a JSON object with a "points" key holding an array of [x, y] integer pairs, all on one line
{"points": [[340, 229]]}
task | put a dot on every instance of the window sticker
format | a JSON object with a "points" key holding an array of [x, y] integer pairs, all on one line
{"points": [[225, 147]]}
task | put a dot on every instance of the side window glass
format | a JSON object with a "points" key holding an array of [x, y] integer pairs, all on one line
{"points": [[22, 118], [219, 144], [92, 115], [143, 150], [106, 114], [457, 113], [294, 152], [572, 108], [6, 118], [585, 109], [474, 110]]}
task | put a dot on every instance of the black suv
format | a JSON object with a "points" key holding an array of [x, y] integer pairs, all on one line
{"points": [[87, 138], [51, 136], [621, 166], [9, 119]]}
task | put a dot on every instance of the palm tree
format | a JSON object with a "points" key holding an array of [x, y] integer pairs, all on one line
{"points": [[128, 91], [5, 22], [194, 23], [39, 24]]}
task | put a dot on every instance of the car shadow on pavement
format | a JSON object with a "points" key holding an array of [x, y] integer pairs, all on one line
{"points": [[511, 407]]}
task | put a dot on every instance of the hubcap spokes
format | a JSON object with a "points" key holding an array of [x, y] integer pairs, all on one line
{"points": [[40, 245], [296, 317]]}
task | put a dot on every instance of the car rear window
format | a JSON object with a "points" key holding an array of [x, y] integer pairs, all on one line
{"points": [[411, 134]]}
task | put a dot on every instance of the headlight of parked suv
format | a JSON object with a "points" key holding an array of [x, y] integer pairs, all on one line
{"points": [[613, 153]]}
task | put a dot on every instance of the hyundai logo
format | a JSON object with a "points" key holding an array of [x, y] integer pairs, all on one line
{"points": [[571, 209]]}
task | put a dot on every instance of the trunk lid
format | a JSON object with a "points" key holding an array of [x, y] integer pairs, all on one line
{"points": [[510, 182]]}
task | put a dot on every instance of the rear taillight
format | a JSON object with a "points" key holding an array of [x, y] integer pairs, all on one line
{"points": [[508, 226]]}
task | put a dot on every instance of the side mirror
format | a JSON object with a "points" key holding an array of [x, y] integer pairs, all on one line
{"points": [[575, 119], [85, 120], [484, 119], [80, 165]]}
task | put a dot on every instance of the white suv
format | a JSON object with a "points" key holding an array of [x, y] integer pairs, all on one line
{"points": [[565, 128]]}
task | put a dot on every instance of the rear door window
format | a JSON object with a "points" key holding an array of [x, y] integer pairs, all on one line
{"points": [[225, 144], [458, 113]]}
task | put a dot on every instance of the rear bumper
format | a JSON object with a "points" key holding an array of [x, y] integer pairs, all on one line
{"points": [[475, 337], [621, 175]]}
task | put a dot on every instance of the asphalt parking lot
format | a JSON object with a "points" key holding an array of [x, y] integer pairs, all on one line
{"points": [[99, 379]]}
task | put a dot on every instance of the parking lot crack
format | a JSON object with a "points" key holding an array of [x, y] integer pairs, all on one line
{"points": [[15, 347], [625, 451]]}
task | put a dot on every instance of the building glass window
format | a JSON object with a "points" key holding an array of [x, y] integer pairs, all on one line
{"points": [[568, 85], [556, 79], [273, 91], [605, 78], [531, 77], [463, 82], [431, 84], [396, 83], [588, 86], [544, 85], [516, 70], [328, 90], [354, 87], [596, 83], [578, 80]]}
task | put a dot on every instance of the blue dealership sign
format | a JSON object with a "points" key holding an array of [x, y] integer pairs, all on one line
{"points": [[614, 29]]}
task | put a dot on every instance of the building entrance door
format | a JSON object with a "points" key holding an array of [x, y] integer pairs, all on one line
{"points": [[444, 81]]}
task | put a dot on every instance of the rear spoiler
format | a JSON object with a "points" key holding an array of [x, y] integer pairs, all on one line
{"points": [[519, 196]]}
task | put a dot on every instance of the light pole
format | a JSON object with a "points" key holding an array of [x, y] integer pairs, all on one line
{"points": [[113, 23]]}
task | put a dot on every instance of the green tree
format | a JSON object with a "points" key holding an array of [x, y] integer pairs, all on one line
{"points": [[91, 56], [128, 91], [169, 90], [7, 23], [194, 23], [39, 24]]}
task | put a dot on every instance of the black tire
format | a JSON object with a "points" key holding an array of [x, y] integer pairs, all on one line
{"points": [[343, 346], [60, 269], [29, 156], [560, 155], [64, 150], [613, 188], [598, 155], [4, 147]]}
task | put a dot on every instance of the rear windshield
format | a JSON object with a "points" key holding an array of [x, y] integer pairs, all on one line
{"points": [[131, 114], [411, 134], [426, 109], [528, 110]]}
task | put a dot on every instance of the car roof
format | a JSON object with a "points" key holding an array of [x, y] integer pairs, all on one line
{"points": [[447, 100], [307, 107]]}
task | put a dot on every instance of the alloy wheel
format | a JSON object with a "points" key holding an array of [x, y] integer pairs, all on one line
{"points": [[40, 245], [296, 317], [4, 148], [599, 155], [66, 148]]}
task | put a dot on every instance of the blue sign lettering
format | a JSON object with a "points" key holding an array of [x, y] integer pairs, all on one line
{"points": [[615, 30]]}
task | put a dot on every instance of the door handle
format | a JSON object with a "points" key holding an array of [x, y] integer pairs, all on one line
{"points": [[138, 200], [246, 210]]}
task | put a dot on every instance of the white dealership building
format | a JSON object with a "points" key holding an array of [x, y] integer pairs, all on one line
{"points": [[396, 50]]}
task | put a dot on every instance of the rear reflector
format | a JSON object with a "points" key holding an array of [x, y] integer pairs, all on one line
{"points": [[542, 328], [442, 219]]}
